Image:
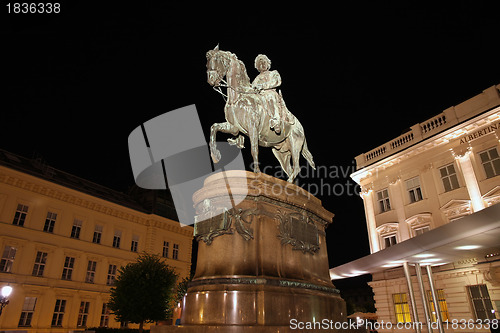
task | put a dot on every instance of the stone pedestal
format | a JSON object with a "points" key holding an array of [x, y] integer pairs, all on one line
{"points": [[262, 265]]}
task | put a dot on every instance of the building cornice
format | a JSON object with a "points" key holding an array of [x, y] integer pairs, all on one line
{"points": [[58, 192], [454, 133], [469, 109]]}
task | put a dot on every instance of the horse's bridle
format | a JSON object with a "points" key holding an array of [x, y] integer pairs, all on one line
{"points": [[223, 84]]}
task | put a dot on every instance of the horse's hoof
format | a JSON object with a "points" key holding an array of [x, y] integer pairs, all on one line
{"points": [[238, 142], [215, 156]]}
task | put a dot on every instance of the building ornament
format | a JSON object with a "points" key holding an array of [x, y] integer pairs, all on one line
{"points": [[492, 275], [366, 189], [394, 180], [419, 220], [461, 152], [456, 208], [426, 167], [492, 197], [387, 228]]}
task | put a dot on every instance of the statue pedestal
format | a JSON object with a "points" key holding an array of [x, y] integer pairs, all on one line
{"points": [[262, 265]]}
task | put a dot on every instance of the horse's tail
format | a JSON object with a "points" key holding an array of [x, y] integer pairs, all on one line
{"points": [[307, 155]]}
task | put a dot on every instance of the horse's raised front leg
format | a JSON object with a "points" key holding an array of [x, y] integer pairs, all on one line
{"points": [[238, 142], [219, 127]]}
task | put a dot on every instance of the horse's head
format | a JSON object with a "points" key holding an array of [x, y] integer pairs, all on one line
{"points": [[217, 66]]}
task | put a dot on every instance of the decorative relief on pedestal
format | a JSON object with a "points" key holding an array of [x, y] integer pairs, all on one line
{"points": [[242, 220], [207, 230], [312, 216], [299, 231]]}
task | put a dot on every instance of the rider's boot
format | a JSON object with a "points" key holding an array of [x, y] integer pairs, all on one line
{"points": [[275, 125]]}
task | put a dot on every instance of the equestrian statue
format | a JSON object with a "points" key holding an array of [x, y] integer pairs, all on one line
{"points": [[257, 110]]}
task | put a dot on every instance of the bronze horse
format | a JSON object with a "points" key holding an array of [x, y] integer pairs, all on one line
{"points": [[245, 112]]}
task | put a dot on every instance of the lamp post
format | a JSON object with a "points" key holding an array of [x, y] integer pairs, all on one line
{"points": [[4, 298]]}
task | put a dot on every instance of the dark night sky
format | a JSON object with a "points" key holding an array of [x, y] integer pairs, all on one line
{"points": [[77, 83]]}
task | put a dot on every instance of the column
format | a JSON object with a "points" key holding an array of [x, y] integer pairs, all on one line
{"points": [[398, 205], [406, 268], [428, 318], [435, 299], [371, 224], [471, 181]]}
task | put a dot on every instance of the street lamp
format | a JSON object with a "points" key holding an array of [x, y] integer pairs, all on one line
{"points": [[4, 298]]}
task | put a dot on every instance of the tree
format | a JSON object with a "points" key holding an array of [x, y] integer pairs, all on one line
{"points": [[178, 295], [182, 288], [143, 290]]}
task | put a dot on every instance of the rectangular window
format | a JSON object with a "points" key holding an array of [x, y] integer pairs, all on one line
{"points": [[383, 201], [104, 315], [401, 308], [97, 234], [20, 215], [39, 266], [165, 249], [442, 305], [481, 302], [175, 252], [58, 315], [134, 244], [449, 177], [390, 241], [69, 263], [83, 313], [420, 230], [414, 189], [9, 253], [491, 162], [91, 266], [111, 275], [77, 227], [50, 221], [116, 238], [27, 312]]}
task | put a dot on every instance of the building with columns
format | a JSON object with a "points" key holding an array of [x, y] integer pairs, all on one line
{"points": [[429, 197], [63, 240]]}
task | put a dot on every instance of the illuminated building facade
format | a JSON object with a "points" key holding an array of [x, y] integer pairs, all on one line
{"points": [[63, 240], [434, 174]]}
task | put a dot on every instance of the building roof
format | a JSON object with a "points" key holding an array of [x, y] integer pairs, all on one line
{"points": [[483, 102], [138, 199], [475, 236]]}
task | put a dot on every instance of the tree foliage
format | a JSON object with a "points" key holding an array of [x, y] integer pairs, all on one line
{"points": [[143, 290], [182, 288]]}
